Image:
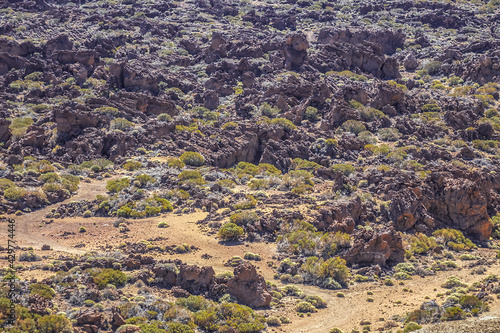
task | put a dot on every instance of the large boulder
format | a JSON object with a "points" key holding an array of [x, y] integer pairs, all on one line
{"points": [[249, 287], [376, 248], [195, 279]]}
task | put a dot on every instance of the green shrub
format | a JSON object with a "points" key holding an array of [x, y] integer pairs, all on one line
{"points": [[82, 230], [14, 193], [19, 126], [268, 111], [6, 183], [353, 126], [121, 124], [389, 134], [453, 313], [431, 108], [207, 319], [371, 114], [311, 114], [176, 163], [87, 214], [274, 321], [317, 301], [470, 302], [230, 126], [145, 179], [29, 256], [108, 110], [453, 282], [194, 303], [355, 104], [249, 203], [54, 324], [244, 218], [189, 174], [163, 224], [346, 169], [252, 256], [388, 282], [454, 239], [421, 244], [433, 67], [336, 330], [110, 276], [283, 122], [192, 158], [489, 146], [115, 186], [42, 290], [411, 326], [89, 303], [230, 231], [179, 328], [164, 117], [132, 165], [305, 307]]}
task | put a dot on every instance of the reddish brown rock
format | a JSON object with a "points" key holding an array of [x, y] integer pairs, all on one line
{"points": [[376, 248], [195, 279], [249, 287]]}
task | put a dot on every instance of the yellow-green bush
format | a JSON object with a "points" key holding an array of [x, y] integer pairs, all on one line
{"points": [[192, 158], [230, 231]]}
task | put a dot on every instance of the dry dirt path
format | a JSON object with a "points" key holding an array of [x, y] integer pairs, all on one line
{"points": [[27, 231]]}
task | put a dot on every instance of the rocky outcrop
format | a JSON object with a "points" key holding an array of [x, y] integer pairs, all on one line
{"points": [[61, 42], [342, 216], [295, 51], [444, 201], [461, 204], [5, 132], [389, 40], [365, 56], [195, 279], [70, 123], [376, 248], [90, 321], [249, 287], [166, 274]]}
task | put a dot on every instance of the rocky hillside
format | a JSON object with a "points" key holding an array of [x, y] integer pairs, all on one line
{"points": [[352, 141]]}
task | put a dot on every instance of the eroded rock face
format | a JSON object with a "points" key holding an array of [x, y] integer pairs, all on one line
{"points": [[249, 287], [195, 279], [166, 274], [61, 42], [444, 202], [461, 204], [376, 248], [5, 132], [389, 40], [71, 123], [295, 51]]}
